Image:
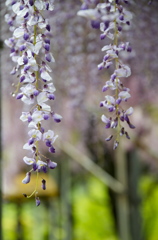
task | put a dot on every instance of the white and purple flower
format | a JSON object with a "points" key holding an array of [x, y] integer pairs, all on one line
{"points": [[30, 50], [112, 17]]}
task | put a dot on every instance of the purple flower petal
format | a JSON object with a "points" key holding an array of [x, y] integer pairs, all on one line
{"points": [[35, 166], [38, 202], [26, 36], [43, 184], [31, 141], [22, 78], [19, 96], [51, 164], [52, 149], [51, 96], [47, 47], [116, 143], [46, 116], [31, 2], [48, 27], [127, 136], [48, 143], [109, 138]]}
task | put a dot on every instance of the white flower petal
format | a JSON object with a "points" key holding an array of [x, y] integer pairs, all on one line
{"points": [[28, 147], [48, 135], [37, 47], [18, 32], [22, 12], [39, 4], [45, 107], [107, 47], [102, 27], [124, 95], [32, 125], [104, 119], [88, 13], [37, 116], [33, 133], [41, 163], [129, 111], [42, 97], [32, 21], [42, 25], [29, 161], [124, 71], [24, 116], [20, 61], [110, 100], [27, 100], [46, 76], [16, 7]]}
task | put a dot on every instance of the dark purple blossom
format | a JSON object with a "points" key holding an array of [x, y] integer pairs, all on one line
{"points": [[52, 149], [48, 143], [48, 27], [47, 47], [43, 184], [31, 141], [46, 116], [26, 36], [19, 96]]}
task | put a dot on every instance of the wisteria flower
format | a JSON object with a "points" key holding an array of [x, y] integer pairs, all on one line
{"points": [[112, 18], [49, 138], [27, 178], [30, 51]]}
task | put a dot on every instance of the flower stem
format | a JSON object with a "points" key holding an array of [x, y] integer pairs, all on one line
{"points": [[35, 187]]}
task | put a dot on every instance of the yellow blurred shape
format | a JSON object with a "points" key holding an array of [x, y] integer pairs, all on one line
{"points": [[17, 189]]}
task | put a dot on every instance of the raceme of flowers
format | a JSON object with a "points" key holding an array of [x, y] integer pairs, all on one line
{"points": [[112, 17], [30, 50]]}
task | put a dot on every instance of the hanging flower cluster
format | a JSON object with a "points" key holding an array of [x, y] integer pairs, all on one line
{"points": [[112, 17], [30, 50]]}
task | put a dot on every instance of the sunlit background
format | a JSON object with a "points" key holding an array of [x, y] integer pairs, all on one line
{"points": [[94, 193]]}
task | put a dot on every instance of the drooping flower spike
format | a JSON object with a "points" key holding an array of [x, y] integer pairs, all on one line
{"points": [[111, 17], [30, 50]]}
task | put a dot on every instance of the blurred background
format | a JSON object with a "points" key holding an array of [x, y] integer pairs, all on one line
{"points": [[94, 193]]}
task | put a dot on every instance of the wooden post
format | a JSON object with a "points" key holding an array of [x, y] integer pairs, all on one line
{"points": [[1, 237], [65, 199], [122, 203], [19, 229], [134, 198]]}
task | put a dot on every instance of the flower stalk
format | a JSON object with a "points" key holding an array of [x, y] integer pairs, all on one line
{"points": [[112, 17], [30, 49]]}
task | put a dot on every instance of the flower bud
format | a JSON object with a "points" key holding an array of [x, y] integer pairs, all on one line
{"points": [[38, 202], [27, 178], [43, 184]]}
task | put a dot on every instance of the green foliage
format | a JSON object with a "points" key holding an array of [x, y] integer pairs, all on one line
{"points": [[149, 193], [8, 221], [92, 215], [33, 222]]}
